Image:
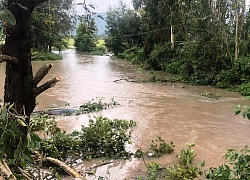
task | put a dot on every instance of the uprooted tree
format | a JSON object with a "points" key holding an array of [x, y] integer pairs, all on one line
{"points": [[21, 86]]}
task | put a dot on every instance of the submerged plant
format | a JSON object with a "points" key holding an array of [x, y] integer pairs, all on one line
{"points": [[158, 147], [102, 138]]}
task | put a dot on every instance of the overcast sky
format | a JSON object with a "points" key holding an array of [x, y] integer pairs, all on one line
{"points": [[103, 5]]}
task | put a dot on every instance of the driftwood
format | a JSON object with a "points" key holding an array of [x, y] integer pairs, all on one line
{"points": [[5, 171], [65, 167]]}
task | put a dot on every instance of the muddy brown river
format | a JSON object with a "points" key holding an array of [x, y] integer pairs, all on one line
{"points": [[176, 112]]}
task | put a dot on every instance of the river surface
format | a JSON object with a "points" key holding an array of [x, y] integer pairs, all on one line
{"points": [[175, 112]]}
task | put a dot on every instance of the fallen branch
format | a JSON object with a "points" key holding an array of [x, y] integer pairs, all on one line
{"points": [[65, 167], [24, 174], [5, 171], [41, 73], [6, 58], [99, 165], [46, 86], [121, 80]]}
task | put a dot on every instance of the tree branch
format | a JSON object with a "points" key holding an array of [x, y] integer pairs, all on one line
{"points": [[5, 171], [41, 73], [6, 58], [46, 86], [65, 167]]}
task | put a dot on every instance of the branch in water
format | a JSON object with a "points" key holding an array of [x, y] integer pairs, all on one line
{"points": [[6, 58], [65, 167], [46, 86], [42, 72]]}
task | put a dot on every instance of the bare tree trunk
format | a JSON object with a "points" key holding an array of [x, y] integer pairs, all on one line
{"points": [[172, 37], [237, 31]]}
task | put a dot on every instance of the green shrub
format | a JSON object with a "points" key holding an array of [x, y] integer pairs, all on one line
{"points": [[45, 56], [238, 168], [102, 138]]}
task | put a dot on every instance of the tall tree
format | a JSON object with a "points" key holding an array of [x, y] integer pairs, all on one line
{"points": [[21, 86], [123, 25], [52, 21]]}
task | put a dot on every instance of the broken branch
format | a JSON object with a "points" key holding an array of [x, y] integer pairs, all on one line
{"points": [[6, 58], [46, 86], [65, 167], [41, 73], [5, 171]]}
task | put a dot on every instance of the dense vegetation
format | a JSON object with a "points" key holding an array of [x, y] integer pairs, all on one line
{"points": [[204, 42], [86, 35]]}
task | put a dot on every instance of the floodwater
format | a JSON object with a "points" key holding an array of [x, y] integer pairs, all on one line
{"points": [[176, 112]]}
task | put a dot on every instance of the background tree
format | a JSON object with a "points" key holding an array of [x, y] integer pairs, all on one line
{"points": [[86, 30], [199, 40], [51, 22], [122, 29]]}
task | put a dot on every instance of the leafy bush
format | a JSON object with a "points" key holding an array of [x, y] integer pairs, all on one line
{"points": [[45, 56], [158, 147], [243, 89], [238, 168], [14, 146], [185, 169], [102, 138], [161, 56]]}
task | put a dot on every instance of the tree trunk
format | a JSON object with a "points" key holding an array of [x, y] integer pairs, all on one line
{"points": [[172, 37], [237, 30], [18, 82], [20, 86]]}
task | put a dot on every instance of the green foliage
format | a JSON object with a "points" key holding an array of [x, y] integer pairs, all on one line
{"points": [[158, 147], [161, 56], [122, 27], [85, 43], [237, 169], [51, 23], [102, 138], [14, 145], [45, 56], [185, 169], [210, 95], [7, 16], [43, 122], [245, 110]]}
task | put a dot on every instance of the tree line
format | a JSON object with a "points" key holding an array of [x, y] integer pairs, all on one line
{"points": [[204, 42]]}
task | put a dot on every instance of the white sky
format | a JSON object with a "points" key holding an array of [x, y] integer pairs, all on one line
{"points": [[103, 5]]}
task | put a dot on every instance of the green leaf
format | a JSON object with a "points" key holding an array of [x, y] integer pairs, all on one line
{"points": [[2, 148], [35, 137], [237, 111], [248, 115], [7, 16], [28, 157], [4, 113], [21, 122]]}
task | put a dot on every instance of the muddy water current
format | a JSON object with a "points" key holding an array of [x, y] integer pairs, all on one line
{"points": [[176, 112]]}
